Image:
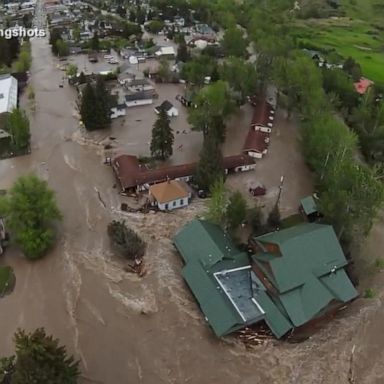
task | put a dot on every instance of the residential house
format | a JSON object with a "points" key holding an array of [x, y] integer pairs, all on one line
{"points": [[168, 52], [294, 279], [118, 111], [168, 107], [133, 176], [170, 195], [138, 99], [138, 85], [363, 85], [8, 96]]}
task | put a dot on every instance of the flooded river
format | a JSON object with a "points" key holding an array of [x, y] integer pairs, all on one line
{"points": [[127, 330]]}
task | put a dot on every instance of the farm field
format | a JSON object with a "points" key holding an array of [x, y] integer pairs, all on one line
{"points": [[359, 34]]}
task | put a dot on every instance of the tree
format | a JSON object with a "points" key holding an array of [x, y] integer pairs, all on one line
{"points": [[71, 70], [130, 29], [95, 43], [353, 68], [95, 106], [255, 220], [62, 48], [38, 359], [162, 137], [125, 240], [274, 219], [182, 52], [240, 75], [76, 33], [164, 72], [24, 60], [236, 210], [210, 166], [54, 36], [351, 197], [217, 204], [17, 124], [195, 71], [30, 211], [214, 103], [155, 26], [234, 43]]}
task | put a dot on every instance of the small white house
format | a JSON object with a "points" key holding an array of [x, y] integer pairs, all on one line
{"points": [[169, 108], [8, 93], [118, 111], [169, 195], [137, 99], [166, 51]]}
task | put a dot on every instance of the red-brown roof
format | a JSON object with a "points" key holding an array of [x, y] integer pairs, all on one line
{"points": [[261, 113], [362, 85], [256, 141], [131, 174]]}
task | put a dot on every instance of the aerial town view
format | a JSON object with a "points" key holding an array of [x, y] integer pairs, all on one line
{"points": [[191, 191]]}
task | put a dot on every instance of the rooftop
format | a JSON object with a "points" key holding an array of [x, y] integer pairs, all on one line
{"points": [[8, 93], [168, 191]]}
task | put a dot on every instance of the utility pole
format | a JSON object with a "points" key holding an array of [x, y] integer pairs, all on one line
{"points": [[280, 191]]}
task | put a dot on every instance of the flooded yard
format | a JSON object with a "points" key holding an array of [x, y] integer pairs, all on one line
{"points": [[145, 331]]}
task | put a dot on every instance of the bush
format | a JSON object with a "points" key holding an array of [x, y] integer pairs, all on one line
{"points": [[125, 240]]}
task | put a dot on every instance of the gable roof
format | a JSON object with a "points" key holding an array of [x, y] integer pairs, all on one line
{"points": [[168, 191], [309, 205], [165, 106], [307, 270], [256, 141], [220, 277], [139, 96]]}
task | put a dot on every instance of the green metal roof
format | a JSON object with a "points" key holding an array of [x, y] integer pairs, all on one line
{"points": [[309, 205], [308, 273], [308, 248], [222, 316], [206, 242]]}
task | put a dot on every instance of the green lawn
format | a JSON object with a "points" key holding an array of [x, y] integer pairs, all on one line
{"points": [[359, 35], [6, 280]]}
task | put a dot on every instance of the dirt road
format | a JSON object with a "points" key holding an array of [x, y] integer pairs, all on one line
{"points": [[150, 331]]}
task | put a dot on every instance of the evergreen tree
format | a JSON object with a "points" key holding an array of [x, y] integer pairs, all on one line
{"points": [[218, 202], [87, 108], [236, 210], [182, 52], [125, 240], [162, 137], [95, 106], [38, 359], [103, 103], [95, 43], [210, 166]]}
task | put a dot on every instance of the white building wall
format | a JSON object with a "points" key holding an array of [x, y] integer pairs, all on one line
{"points": [[137, 103], [179, 203]]}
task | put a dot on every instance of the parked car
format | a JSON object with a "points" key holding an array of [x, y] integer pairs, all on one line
{"points": [[258, 191]]}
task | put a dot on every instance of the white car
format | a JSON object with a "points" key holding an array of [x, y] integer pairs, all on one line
{"points": [[113, 61], [108, 57]]}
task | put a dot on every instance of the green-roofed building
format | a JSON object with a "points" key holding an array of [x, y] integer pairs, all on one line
{"points": [[295, 275], [303, 270], [309, 208], [220, 276]]}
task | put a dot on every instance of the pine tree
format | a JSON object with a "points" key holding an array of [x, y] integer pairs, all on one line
{"points": [[103, 103], [182, 52], [210, 167], [95, 106], [38, 359], [87, 108], [95, 43], [162, 137]]}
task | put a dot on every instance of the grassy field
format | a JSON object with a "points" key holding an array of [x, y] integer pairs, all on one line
{"points": [[6, 280], [360, 34]]}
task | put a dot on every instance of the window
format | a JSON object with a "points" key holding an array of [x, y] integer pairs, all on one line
{"points": [[181, 201], [174, 204], [166, 206]]}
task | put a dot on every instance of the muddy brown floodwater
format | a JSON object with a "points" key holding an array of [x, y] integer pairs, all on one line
{"points": [[130, 330]]}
